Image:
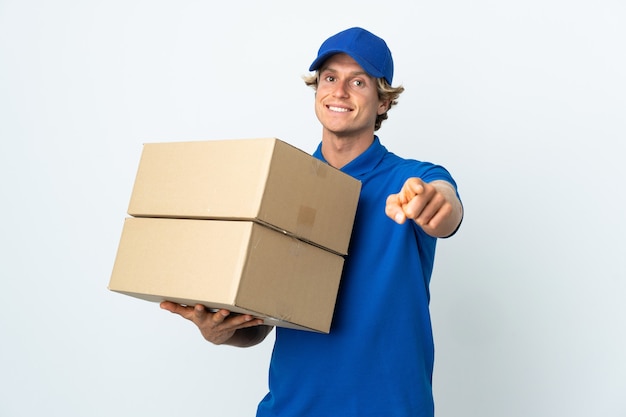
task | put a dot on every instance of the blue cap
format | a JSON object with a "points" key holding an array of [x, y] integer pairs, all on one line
{"points": [[367, 49]]}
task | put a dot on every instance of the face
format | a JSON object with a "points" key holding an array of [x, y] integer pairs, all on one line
{"points": [[346, 101]]}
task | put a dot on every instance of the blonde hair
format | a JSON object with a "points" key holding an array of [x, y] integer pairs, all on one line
{"points": [[385, 93]]}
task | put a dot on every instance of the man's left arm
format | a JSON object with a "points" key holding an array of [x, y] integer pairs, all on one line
{"points": [[434, 206]]}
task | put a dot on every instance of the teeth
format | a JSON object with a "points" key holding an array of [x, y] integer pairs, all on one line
{"points": [[339, 109]]}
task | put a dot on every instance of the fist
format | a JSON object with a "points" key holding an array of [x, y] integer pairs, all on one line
{"points": [[425, 203]]}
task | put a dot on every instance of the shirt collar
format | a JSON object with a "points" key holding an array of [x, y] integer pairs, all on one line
{"points": [[362, 164]]}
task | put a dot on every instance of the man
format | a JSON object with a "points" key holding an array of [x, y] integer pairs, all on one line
{"points": [[377, 360]]}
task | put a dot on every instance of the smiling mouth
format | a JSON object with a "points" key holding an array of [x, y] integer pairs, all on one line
{"points": [[338, 109]]}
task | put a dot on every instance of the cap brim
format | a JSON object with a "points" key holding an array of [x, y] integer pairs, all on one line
{"points": [[319, 61]]}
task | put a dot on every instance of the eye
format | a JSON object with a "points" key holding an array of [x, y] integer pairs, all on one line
{"points": [[329, 78], [358, 83]]}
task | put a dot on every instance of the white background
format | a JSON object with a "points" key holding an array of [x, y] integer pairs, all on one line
{"points": [[524, 101]]}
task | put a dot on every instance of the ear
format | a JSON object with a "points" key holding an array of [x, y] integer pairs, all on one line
{"points": [[383, 106]]}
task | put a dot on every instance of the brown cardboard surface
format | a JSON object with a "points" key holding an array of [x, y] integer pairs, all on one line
{"points": [[264, 180], [238, 265]]}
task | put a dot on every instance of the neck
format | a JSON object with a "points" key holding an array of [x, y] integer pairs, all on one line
{"points": [[341, 150]]}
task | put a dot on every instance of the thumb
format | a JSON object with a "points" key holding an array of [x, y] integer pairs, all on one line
{"points": [[411, 188]]}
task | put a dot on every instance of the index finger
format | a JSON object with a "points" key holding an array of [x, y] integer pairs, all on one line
{"points": [[176, 308]]}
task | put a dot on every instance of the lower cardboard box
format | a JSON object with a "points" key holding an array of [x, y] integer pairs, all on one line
{"points": [[241, 266]]}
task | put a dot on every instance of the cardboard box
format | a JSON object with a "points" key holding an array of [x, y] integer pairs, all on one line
{"points": [[263, 180], [238, 265]]}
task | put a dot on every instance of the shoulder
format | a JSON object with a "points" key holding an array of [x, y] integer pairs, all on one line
{"points": [[407, 167]]}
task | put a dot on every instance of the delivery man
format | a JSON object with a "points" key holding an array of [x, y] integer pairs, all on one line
{"points": [[377, 360]]}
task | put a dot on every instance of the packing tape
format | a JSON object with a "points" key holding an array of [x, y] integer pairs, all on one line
{"points": [[305, 220]]}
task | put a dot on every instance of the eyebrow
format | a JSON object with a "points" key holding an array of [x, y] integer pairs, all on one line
{"points": [[323, 69]]}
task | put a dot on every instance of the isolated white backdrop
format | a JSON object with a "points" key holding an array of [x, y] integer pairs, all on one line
{"points": [[524, 101]]}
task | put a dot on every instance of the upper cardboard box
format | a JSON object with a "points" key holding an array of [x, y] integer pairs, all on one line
{"points": [[264, 180]]}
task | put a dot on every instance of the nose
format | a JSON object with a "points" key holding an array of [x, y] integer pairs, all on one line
{"points": [[340, 89]]}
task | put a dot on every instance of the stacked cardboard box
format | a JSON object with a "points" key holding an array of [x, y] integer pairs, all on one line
{"points": [[255, 226]]}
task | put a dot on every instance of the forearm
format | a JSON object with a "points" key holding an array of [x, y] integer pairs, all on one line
{"points": [[451, 220], [249, 336]]}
